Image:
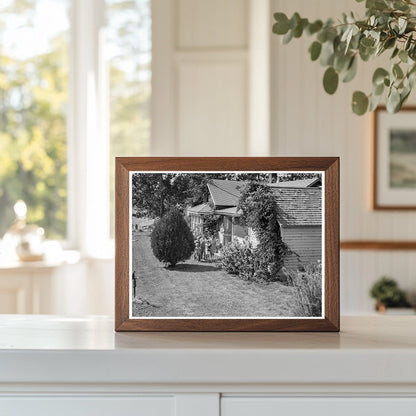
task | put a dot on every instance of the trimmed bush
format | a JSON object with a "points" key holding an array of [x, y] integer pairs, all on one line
{"points": [[172, 240], [239, 259]]}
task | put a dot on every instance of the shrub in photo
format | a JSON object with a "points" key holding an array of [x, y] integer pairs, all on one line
{"points": [[308, 287], [239, 259], [172, 240]]}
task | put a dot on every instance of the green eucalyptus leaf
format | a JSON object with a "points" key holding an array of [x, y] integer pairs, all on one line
{"points": [[315, 50], [366, 53], [411, 78], [389, 43], [400, 5], [346, 34], [322, 35], [282, 26], [402, 22], [376, 4], [367, 42], [341, 62], [404, 96], [314, 27], [403, 56], [355, 41], [295, 20], [298, 30], [412, 52], [408, 42], [359, 103], [337, 44], [393, 101], [350, 18], [378, 89], [379, 75], [330, 80], [351, 70], [397, 71], [327, 53], [395, 52], [288, 37], [412, 70], [374, 101]]}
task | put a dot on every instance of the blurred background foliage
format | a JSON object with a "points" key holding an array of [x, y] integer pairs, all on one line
{"points": [[33, 100], [34, 94]]}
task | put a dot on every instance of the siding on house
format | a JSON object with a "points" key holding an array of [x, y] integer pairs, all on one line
{"points": [[306, 243]]}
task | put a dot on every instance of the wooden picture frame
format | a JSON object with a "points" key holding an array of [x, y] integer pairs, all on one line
{"points": [[391, 174], [326, 167]]}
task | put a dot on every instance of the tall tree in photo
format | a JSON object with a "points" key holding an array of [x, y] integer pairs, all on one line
{"points": [[172, 240]]}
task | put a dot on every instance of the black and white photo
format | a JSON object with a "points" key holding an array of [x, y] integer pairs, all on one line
{"points": [[226, 244]]}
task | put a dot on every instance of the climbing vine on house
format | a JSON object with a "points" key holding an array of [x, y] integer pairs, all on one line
{"points": [[389, 27], [211, 224], [260, 212]]}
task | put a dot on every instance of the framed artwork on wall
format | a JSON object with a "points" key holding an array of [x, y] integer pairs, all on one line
{"points": [[394, 159], [227, 244]]}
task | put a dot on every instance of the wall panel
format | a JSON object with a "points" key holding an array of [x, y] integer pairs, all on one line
{"points": [[308, 122], [212, 108], [212, 24]]}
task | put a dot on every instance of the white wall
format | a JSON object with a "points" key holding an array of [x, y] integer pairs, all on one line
{"points": [[224, 86], [308, 122], [221, 71], [200, 77]]}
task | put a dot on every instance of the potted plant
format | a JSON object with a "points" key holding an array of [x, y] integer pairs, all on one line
{"points": [[387, 294]]}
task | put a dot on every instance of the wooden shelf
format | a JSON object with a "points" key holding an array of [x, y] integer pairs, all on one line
{"points": [[378, 245]]}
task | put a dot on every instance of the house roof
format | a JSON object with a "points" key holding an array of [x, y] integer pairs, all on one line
{"points": [[200, 209], [299, 206], [225, 193], [298, 183], [231, 211]]}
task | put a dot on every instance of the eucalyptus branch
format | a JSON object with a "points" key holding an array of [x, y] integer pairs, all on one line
{"points": [[390, 25]]}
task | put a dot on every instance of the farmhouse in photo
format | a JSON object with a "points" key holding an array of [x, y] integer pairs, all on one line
{"points": [[228, 244], [300, 208]]}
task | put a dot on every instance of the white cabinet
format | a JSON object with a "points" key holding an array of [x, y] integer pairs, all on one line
{"points": [[81, 367], [270, 406], [67, 285], [88, 406]]}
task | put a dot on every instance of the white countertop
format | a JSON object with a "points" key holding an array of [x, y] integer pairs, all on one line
{"points": [[53, 349]]}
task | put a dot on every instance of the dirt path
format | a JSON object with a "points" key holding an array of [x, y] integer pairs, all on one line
{"points": [[201, 289]]}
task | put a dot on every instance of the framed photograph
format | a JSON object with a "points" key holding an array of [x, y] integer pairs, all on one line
{"points": [[394, 179], [227, 244]]}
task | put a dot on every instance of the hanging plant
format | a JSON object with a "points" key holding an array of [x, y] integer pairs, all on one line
{"points": [[389, 27]]}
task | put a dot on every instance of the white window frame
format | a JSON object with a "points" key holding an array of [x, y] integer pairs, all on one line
{"points": [[88, 137]]}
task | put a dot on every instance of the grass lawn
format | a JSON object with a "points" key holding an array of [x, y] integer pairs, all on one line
{"points": [[201, 289]]}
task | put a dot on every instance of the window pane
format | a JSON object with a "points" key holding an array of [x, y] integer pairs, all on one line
{"points": [[33, 100], [129, 46]]}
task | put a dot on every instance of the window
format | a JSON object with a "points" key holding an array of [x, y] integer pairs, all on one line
{"points": [[33, 102], [75, 87], [129, 43]]}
